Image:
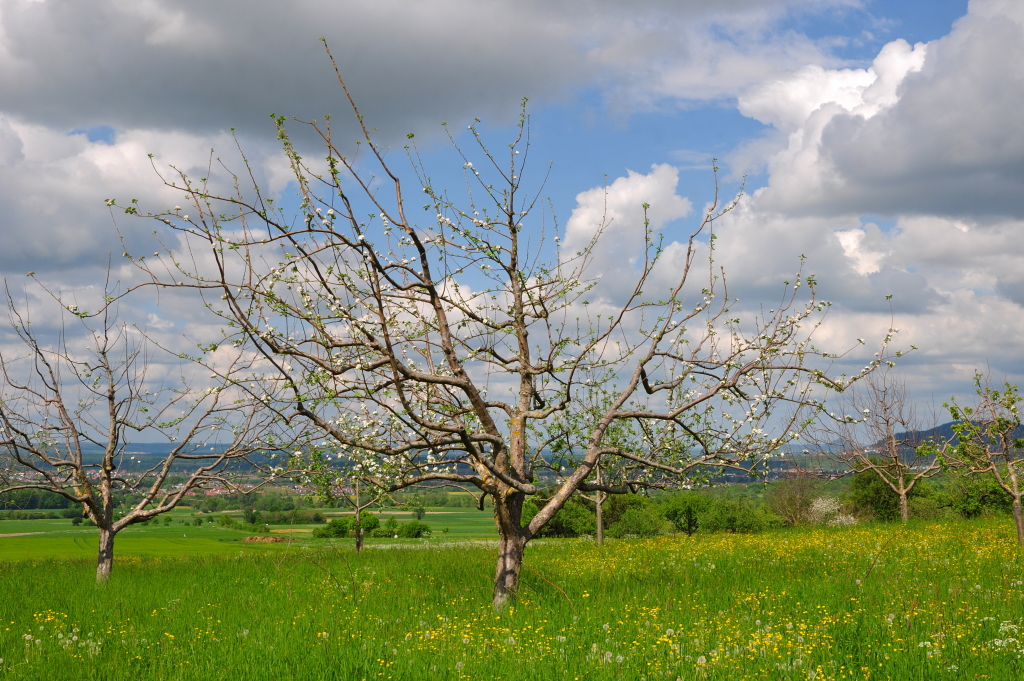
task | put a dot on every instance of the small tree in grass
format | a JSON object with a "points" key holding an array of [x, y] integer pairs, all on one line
{"points": [[69, 418], [989, 441], [878, 434], [465, 347]]}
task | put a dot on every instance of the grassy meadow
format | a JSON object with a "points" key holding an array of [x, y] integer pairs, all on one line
{"points": [[931, 601]]}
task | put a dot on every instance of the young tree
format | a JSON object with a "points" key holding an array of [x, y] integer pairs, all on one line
{"points": [[878, 431], [458, 348], [989, 441], [337, 478], [69, 418]]}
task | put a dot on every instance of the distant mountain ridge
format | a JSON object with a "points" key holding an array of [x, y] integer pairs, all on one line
{"points": [[943, 433]]}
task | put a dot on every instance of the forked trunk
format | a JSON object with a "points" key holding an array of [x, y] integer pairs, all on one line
{"points": [[904, 507], [106, 556], [1018, 517], [510, 561]]}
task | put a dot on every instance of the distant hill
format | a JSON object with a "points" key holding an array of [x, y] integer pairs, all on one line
{"points": [[943, 433]]}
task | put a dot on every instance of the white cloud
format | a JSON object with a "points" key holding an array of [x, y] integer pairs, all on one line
{"points": [[928, 130], [931, 137], [619, 208]]}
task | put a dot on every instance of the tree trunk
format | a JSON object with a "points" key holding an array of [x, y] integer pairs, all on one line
{"points": [[508, 512], [599, 504], [106, 556], [1018, 518], [510, 561], [904, 506], [359, 521]]}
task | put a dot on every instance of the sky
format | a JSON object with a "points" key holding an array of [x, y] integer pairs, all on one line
{"points": [[880, 139]]}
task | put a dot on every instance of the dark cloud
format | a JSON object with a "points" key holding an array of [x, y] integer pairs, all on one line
{"points": [[952, 144]]}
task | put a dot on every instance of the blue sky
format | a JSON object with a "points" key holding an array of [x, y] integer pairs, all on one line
{"points": [[881, 138]]}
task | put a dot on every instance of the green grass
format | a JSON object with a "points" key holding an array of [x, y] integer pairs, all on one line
{"points": [[60, 539], [873, 602]]}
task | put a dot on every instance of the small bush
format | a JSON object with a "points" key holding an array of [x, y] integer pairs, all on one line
{"points": [[368, 521], [639, 521], [872, 498], [823, 511], [926, 508], [974, 496], [335, 529], [576, 518], [791, 499], [735, 515], [413, 529], [683, 511]]}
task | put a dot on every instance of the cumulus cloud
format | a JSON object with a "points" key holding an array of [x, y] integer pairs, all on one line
{"points": [[929, 137], [928, 129], [616, 215], [53, 186]]}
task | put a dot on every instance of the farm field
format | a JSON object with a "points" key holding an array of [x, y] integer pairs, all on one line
{"points": [[42, 539], [931, 601]]}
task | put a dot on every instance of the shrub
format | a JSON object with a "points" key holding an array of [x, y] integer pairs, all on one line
{"points": [[226, 521], [368, 521], [823, 510], [926, 508], [972, 496], [335, 529], [76, 521], [576, 518], [638, 521], [871, 497], [683, 511], [388, 529], [413, 529], [791, 499], [735, 515]]}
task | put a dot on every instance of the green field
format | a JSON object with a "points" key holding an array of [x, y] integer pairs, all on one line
{"points": [[41, 539], [932, 601]]}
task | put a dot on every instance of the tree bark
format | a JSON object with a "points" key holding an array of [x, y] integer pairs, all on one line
{"points": [[1018, 518], [359, 531], [904, 506], [508, 512], [359, 521], [510, 562], [600, 518], [106, 556]]}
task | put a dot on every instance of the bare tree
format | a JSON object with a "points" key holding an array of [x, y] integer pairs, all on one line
{"points": [[69, 419], [988, 441], [877, 430], [791, 498], [459, 349]]}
